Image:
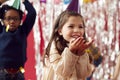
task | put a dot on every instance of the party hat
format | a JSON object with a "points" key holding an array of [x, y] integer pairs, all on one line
{"points": [[16, 4], [74, 6]]}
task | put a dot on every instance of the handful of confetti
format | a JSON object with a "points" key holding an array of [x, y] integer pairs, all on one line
{"points": [[7, 28]]}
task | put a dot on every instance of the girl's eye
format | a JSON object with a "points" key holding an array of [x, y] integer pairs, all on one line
{"points": [[70, 26], [81, 26]]}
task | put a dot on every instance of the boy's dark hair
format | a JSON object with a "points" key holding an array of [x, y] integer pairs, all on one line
{"points": [[5, 8]]}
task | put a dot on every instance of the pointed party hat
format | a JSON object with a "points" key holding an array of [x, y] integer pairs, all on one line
{"points": [[16, 4], [74, 6]]}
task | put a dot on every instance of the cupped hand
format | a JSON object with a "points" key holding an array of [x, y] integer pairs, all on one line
{"points": [[75, 43], [78, 45], [84, 46]]}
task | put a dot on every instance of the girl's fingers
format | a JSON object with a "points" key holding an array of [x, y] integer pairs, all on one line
{"points": [[89, 42], [74, 41], [74, 44], [80, 44], [86, 45]]}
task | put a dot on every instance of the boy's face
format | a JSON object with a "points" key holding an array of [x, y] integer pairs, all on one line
{"points": [[12, 19]]}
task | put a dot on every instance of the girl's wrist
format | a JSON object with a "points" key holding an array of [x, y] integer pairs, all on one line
{"points": [[73, 51], [80, 53]]}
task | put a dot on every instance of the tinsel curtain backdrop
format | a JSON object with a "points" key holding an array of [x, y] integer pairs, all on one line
{"points": [[102, 20]]}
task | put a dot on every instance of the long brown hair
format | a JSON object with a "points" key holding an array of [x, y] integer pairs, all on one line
{"points": [[60, 42]]}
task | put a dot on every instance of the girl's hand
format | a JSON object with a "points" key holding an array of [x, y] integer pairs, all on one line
{"points": [[78, 45], [84, 46], [75, 44]]}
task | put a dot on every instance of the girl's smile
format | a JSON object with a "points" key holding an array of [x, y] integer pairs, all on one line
{"points": [[72, 29]]}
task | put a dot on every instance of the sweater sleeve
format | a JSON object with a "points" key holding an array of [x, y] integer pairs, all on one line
{"points": [[83, 67], [117, 68], [30, 17], [64, 64]]}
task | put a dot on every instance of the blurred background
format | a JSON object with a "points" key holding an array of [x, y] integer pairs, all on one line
{"points": [[102, 20]]}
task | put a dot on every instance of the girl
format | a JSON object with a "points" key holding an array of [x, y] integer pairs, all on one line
{"points": [[65, 57], [13, 40]]}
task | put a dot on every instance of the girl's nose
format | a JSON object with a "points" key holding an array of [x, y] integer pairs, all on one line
{"points": [[76, 30]]}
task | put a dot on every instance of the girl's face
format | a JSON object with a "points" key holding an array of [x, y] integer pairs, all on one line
{"points": [[12, 19], [72, 29]]}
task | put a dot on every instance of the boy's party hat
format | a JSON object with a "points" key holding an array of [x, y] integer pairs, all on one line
{"points": [[16, 4], [74, 6]]}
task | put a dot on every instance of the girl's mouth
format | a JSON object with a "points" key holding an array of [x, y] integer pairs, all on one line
{"points": [[76, 36]]}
